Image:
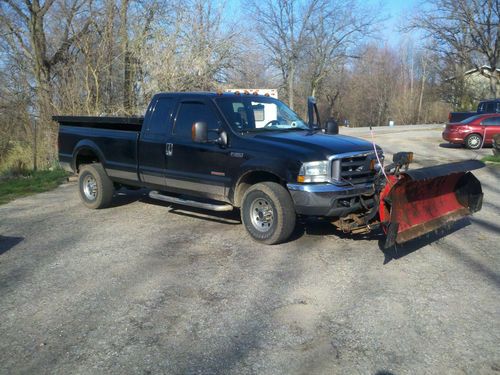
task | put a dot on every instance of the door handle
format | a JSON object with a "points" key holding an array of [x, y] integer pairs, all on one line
{"points": [[169, 149]]}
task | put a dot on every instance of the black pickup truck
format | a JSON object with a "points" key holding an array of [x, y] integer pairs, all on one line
{"points": [[484, 106], [220, 151]]}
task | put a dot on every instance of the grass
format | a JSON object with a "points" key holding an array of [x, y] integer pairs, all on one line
{"points": [[31, 183], [492, 158]]}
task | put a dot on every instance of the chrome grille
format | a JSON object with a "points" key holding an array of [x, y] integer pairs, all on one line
{"points": [[353, 168]]}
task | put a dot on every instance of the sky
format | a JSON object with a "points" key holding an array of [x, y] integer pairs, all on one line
{"points": [[395, 12]]}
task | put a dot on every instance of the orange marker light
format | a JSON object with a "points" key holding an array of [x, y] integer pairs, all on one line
{"points": [[300, 178]]}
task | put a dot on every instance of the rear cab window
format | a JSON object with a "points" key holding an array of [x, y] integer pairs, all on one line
{"points": [[160, 117]]}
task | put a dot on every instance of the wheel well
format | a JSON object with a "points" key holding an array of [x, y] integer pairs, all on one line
{"points": [[252, 178], [479, 134], [85, 156]]}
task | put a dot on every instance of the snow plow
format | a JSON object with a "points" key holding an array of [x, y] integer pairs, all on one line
{"points": [[414, 203]]}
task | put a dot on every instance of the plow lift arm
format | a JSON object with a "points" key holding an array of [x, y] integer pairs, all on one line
{"points": [[417, 202]]}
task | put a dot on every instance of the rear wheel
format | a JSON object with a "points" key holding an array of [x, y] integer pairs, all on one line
{"points": [[473, 141], [268, 213], [96, 188]]}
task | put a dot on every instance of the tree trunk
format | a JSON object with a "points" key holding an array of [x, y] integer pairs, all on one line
{"points": [[291, 78], [422, 87], [127, 66]]}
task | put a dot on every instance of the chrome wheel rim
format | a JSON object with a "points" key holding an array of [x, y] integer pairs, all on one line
{"points": [[90, 187], [474, 141], [261, 214]]}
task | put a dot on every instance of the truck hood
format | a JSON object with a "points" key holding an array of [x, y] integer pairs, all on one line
{"points": [[318, 143]]}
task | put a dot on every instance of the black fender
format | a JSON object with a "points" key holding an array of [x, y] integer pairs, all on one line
{"points": [[283, 169], [87, 144]]}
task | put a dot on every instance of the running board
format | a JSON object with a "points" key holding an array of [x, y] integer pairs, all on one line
{"points": [[186, 202]]}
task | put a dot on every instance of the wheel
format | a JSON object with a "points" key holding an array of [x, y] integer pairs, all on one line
{"points": [[96, 189], [473, 141], [268, 213]]}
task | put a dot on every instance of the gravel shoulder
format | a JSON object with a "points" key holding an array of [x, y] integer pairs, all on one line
{"points": [[148, 288]]}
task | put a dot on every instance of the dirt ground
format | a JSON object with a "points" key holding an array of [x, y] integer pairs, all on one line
{"points": [[145, 288]]}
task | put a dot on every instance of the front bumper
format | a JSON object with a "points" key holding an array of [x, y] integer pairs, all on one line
{"points": [[330, 200]]}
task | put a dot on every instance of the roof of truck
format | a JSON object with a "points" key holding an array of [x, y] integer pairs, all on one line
{"points": [[211, 94]]}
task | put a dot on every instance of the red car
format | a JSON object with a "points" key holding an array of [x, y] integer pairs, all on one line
{"points": [[473, 132]]}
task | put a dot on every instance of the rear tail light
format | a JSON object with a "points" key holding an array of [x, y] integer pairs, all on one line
{"points": [[449, 116]]}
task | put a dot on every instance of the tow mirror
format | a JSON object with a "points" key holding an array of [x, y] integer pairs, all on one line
{"points": [[332, 127], [199, 132], [312, 110], [222, 140]]}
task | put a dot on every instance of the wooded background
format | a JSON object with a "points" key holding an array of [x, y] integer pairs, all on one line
{"points": [[108, 57]]}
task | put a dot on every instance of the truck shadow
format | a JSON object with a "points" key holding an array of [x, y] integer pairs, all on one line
{"points": [[323, 228], [7, 243], [224, 217], [124, 196], [399, 251]]}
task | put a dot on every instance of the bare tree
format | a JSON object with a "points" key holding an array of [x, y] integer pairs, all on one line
{"points": [[464, 32], [27, 35], [284, 26], [338, 27], [195, 51]]}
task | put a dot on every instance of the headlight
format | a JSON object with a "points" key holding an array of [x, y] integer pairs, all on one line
{"points": [[314, 171]]}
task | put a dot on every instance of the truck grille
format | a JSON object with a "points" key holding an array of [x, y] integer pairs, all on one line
{"points": [[352, 169]]}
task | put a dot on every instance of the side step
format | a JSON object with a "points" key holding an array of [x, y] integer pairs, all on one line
{"points": [[186, 202]]}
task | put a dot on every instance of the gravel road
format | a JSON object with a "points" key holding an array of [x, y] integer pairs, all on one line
{"points": [[147, 288]]}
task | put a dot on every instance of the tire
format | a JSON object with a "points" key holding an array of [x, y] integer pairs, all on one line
{"points": [[96, 189], [268, 213], [473, 141]]}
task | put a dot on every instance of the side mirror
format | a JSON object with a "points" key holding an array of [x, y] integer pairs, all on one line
{"points": [[332, 127], [222, 140], [312, 110], [199, 132]]}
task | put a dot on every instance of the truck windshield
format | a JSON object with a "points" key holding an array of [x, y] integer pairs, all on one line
{"points": [[251, 114]]}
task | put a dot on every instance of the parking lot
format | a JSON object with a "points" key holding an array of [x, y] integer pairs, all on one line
{"points": [[147, 288]]}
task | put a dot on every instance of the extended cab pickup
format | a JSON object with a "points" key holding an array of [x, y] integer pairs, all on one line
{"points": [[220, 151], [484, 106]]}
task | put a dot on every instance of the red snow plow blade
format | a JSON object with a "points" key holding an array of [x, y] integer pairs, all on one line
{"points": [[425, 200]]}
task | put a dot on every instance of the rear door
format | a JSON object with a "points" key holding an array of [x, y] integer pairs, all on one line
{"points": [[491, 126], [196, 168], [153, 142]]}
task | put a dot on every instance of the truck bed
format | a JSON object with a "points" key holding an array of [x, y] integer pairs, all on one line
{"points": [[114, 123], [114, 137]]}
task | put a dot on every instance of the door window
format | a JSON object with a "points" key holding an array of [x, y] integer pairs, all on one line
{"points": [[161, 116], [192, 112], [491, 121]]}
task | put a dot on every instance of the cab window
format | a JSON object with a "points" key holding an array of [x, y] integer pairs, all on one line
{"points": [[188, 114], [160, 117]]}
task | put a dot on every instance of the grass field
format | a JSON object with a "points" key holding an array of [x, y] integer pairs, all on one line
{"points": [[32, 183], [492, 158]]}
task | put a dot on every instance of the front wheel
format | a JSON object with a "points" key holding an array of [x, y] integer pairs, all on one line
{"points": [[473, 141], [96, 188], [268, 213]]}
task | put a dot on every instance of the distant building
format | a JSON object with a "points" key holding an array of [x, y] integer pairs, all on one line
{"points": [[466, 89], [478, 81]]}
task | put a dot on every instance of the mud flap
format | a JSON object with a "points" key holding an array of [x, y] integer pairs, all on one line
{"points": [[425, 200]]}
